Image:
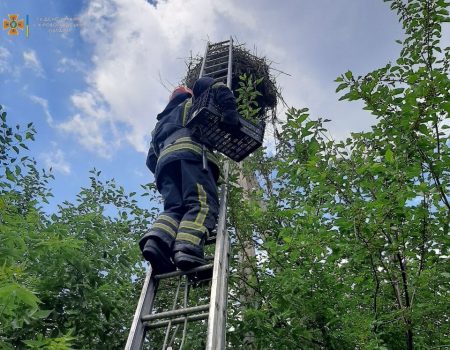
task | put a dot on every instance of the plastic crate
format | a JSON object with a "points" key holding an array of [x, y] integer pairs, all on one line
{"points": [[236, 143]]}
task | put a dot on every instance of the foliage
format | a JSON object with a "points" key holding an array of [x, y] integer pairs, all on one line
{"points": [[66, 280], [247, 94], [353, 234]]}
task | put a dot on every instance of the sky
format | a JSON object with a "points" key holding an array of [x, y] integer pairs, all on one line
{"points": [[93, 75]]}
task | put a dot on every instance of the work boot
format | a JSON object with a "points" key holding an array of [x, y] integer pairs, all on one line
{"points": [[185, 261], [187, 256], [158, 254]]}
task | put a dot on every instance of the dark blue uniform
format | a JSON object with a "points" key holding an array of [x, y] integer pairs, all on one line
{"points": [[190, 194]]}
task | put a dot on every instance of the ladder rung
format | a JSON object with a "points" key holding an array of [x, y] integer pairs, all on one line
{"points": [[210, 240], [224, 61], [220, 78], [179, 272], [221, 51], [218, 58], [217, 65], [160, 324], [219, 43], [209, 74], [218, 49], [174, 313], [217, 52]]}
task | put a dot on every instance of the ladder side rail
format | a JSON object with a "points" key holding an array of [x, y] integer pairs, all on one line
{"points": [[204, 60], [217, 283], [223, 301], [230, 63], [136, 336], [216, 337], [222, 324]]}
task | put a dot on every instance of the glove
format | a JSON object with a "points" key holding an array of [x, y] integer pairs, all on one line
{"points": [[230, 121], [230, 117]]}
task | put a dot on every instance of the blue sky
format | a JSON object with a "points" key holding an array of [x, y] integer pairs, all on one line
{"points": [[93, 92]]}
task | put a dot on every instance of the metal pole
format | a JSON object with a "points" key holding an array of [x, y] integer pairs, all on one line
{"points": [[179, 272], [230, 63], [216, 310], [204, 60], [179, 320], [186, 293], [219, 290], [137, 331], [174, 305], [177, 312]]}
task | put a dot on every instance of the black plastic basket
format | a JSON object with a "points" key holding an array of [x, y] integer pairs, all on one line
{"points": [[236, 143]]}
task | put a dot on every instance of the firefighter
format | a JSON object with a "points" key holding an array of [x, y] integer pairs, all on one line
{"points": [[186, 182]]}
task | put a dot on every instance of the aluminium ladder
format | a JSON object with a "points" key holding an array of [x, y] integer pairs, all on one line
{"points": [[217, 63]]}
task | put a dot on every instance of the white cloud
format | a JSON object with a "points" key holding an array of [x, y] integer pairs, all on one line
{"points": [[92, 126], [55, 159], [10, 71], [44, 104], [4, 60], [134, 43], [89, 134], [68, 64], [31, 61]]}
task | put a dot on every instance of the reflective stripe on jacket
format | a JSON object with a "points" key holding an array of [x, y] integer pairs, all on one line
{"points": [[172, 122]]}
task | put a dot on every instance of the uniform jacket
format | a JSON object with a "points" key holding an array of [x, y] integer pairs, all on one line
{"points": [[172, 141]]}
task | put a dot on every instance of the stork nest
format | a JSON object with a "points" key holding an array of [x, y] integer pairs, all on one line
{"points": [[244, 62]]}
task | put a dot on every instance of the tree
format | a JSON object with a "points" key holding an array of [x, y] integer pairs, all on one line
{"points": [[66, 279], [356, 231]]}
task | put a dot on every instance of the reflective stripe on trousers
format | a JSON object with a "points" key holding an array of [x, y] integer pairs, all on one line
{"points": [[190, 206]]}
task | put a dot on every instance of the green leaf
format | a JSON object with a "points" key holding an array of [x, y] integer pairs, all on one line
{"points": [[341, 86], [446, 107], [389, 155], [42, 313], [9, 175]]}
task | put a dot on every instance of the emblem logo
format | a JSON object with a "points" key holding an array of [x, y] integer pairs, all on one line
{"points": [[13, 24]]}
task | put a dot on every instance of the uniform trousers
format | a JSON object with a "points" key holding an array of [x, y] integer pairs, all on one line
{"points": [[191, 207]]}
